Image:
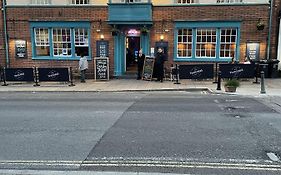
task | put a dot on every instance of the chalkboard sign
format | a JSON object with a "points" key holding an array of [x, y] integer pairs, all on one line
{"points": [[102, 48], [148, 68], [101, 68], [20, 48]]}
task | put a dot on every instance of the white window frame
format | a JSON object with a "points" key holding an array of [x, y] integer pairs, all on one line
{"points": [[186, 1], [80, 2], [61, 42], [186, 43], [231, 51], [229, 1], [202, 43], [41, 2]]}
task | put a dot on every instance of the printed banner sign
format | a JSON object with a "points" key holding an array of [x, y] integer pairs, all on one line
{"points": [[19, 74], [237, 70], [101, 68], [53, 74], [197, 71]]}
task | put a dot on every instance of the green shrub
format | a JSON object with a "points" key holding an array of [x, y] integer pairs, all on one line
{"points": [[232, 82]]}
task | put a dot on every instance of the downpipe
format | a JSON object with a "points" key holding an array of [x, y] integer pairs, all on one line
{"points": [[5, 33]]}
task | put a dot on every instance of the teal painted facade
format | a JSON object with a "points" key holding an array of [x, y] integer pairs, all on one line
{"points": [[218, 25], [59, 24]]}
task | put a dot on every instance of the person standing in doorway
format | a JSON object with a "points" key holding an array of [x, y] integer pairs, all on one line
{"points": [[140, 60], [83, 66], [159, 65]]}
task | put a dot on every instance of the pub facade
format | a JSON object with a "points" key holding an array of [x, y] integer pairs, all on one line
{"points": [[53, 33]]}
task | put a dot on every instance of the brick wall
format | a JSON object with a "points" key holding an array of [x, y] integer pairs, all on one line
{"points": [[19, 17], [248, 15]]}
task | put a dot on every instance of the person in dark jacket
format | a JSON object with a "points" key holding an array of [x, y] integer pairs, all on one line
{"points": [[140, 60], [159, 65]]}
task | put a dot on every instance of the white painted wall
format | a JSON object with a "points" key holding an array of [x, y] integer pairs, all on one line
{"points": [[279, 47]]}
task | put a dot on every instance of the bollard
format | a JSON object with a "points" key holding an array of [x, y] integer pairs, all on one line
{"points": [[36, 76], [216, 74], [178, 75], [262, 83], [219, 81], [4, 77], [71, 77]]}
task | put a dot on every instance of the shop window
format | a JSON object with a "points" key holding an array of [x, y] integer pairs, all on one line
{"points": [[184, 42], [81, 42], [42, 42], [206, 43], [61, 42], [228, 42]]}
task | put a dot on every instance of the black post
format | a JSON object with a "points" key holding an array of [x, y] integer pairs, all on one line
{"points": [[257, 73], [4, 77], [219, 81], [178, 75], [36, 76], [262, 83], [216, 74], [71, 77]]}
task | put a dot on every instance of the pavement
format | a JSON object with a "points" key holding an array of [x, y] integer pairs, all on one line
{"points": [[247, 87]]}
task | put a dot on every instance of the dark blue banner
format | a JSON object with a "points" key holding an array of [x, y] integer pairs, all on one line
{"points": [[53, 74], [19, 74], [196, 71], [237, 70]]}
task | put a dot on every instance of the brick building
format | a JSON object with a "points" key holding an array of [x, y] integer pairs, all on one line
{"points": [[55, 32]]}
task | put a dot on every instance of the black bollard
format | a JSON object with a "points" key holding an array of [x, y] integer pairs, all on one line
{"points": [[71, 77], [262, 83], [4, 77], [177, 75], [36, 76], [216, 74], [219, 81]]}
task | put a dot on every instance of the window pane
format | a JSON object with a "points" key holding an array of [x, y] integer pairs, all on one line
{"points": [[184, 42], [228, 42], [206, 43], [62, 42]]}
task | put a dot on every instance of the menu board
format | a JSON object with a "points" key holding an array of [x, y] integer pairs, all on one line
{"points": [[148, 68], [101, 68], [20, 48]]}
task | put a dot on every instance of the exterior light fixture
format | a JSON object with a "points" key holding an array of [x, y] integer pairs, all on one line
{"points": [[101, 36], [161, 37]]}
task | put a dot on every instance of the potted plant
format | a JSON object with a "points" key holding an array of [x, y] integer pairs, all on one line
{"points": [[260, 25], [114, 31], [231, 85], [144, 30]]}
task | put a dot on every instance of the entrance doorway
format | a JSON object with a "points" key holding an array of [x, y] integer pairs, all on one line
{"points": [[132, 48]]}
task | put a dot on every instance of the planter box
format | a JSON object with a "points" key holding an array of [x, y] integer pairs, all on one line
{"points": [[230, 89]]}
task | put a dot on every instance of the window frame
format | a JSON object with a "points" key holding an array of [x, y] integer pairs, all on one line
{"points": [[60, 25], [217, 26]]}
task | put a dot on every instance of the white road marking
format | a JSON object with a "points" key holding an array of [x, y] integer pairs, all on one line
{"points": [[273, 157]]}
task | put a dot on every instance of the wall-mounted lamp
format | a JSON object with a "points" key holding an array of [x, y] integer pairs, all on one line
{"points": [[101, 36], [98, 30], [166, 30], [161, 37]]}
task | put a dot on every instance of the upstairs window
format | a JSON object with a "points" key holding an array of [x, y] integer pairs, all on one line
{"points": [[80, 1], [229, 1], [186, 1], [41, 2]]}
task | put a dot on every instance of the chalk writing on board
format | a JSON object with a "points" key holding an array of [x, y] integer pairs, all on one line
{"points": [[148, 68]]}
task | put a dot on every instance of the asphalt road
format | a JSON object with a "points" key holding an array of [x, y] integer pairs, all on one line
{"points": [[174, 132]]}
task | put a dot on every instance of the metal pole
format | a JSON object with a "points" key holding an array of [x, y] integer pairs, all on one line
{"points": [[219, 81], [269, 30], [262, 83], [178, 76], [4, 77], [216, 74], [71, 77], [6, 34]]}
